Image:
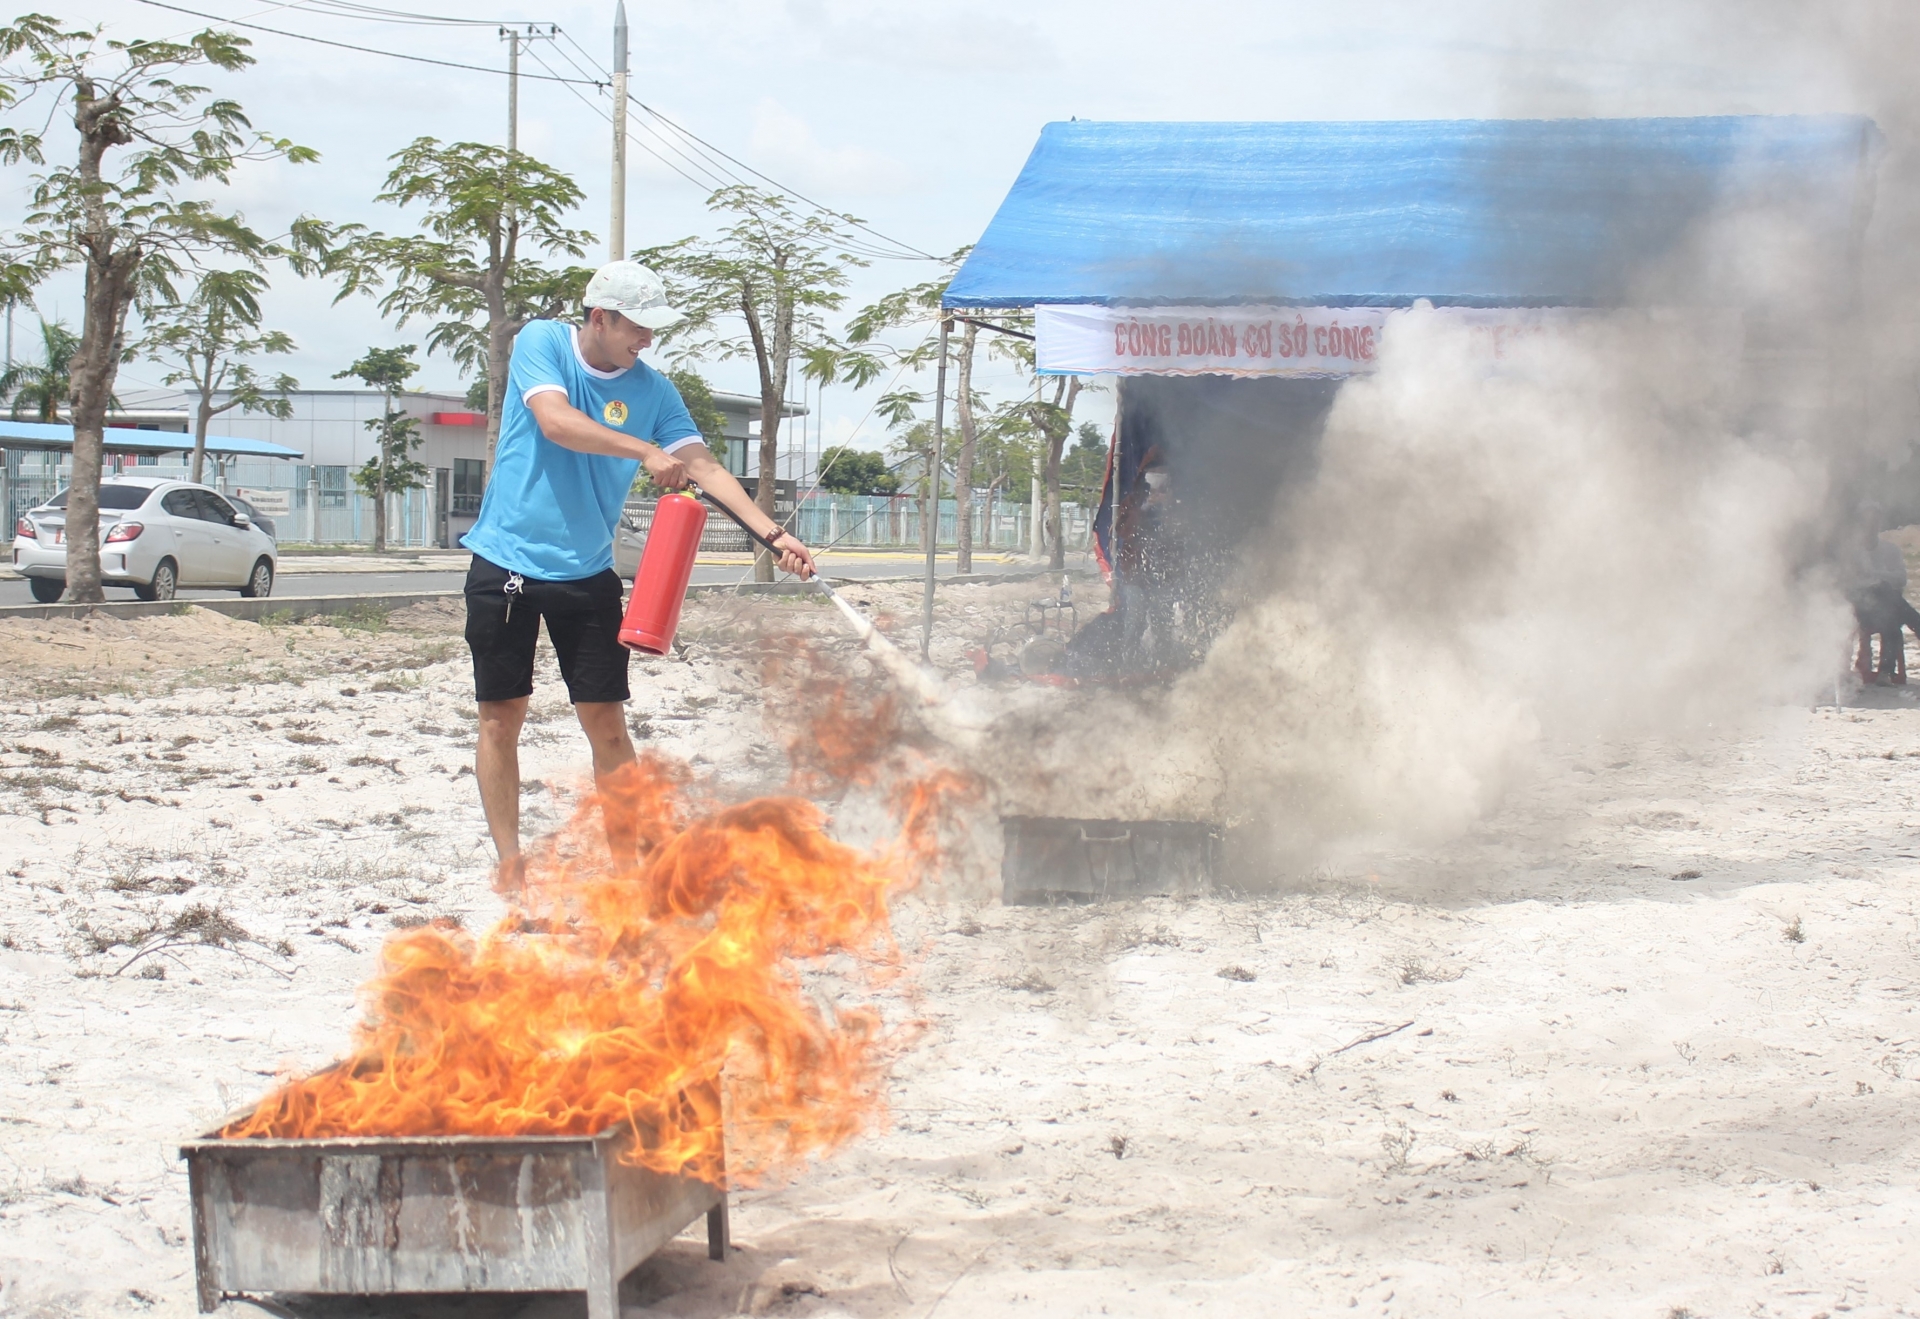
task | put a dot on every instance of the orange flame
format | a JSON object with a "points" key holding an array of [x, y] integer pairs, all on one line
{"points": [[622, 994]]}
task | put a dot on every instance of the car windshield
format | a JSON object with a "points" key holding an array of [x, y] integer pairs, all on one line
{"points": [[113, 498]]}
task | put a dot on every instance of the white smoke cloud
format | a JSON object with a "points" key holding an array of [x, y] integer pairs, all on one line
{"points": [[1580, 543]]}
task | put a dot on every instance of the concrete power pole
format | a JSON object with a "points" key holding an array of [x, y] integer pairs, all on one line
{"points": [[513, 36], [617, 223], [513, 87]]}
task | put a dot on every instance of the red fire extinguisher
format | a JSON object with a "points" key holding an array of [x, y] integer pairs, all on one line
{"points": [[666, 566]]}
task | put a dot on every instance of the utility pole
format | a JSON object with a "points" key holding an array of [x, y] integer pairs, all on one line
{"points": [[513, 36], [617, 224], [513, 87]]}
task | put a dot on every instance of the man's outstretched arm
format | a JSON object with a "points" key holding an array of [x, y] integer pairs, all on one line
{"points": [[717, 481], [570, 428]]}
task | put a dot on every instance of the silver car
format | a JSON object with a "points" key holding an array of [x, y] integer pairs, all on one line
{"points": [[155, 536]]}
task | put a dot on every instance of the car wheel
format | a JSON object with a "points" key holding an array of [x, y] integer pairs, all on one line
{"points": [[47, 589], [260, 581], [166, 580]]}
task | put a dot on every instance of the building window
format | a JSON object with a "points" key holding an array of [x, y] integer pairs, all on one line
{"points": [[469, 483]]}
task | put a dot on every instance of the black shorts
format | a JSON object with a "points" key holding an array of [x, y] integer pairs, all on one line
{"points": [[583, 622]]}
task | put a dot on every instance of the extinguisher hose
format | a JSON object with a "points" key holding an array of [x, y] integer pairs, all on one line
{"points": [[904, 670]]}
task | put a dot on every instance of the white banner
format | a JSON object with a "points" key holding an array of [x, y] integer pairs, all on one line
{"points": [[273, 503], [1248, 341]]}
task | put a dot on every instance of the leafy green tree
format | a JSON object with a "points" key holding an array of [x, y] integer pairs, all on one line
{"points": [[392, 467], [37, 389], [1084, 468], [963, 402], [206, 341], [1051, 421], [760, 291], [917, 308], [130, 210], [850, 472], [706, 414], [489, 215]]}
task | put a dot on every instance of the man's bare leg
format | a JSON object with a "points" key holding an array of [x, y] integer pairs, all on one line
{"points": [[497, 766], [605, 724]]}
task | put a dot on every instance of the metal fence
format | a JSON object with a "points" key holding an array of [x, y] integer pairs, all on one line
{"points": [[886, 522], [308, 504], [320, 505]]}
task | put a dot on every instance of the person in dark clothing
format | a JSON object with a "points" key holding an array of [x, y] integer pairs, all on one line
{"points": [[1878, 592], [1152, 573]]}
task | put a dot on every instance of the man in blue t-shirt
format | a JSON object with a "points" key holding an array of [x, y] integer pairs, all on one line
{"points": [[581, 415]]}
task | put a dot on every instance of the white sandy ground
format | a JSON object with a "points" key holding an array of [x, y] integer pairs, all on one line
{"points": [[1606, 1091]]}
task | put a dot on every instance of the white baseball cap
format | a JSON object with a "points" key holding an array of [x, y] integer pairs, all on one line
{"points": [[635, 292]]}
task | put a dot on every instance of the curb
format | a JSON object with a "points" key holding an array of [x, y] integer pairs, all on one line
{"points": [[313, 606], [252, 611]]}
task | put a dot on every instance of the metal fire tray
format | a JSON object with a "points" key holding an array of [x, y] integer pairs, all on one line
{"points": [[1049, 860], [381, 1215]]}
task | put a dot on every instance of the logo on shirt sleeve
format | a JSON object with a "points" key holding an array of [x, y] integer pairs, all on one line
{"points": [[615, 412]]}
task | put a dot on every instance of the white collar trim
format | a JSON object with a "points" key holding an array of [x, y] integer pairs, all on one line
{"points": [[589, 367]]}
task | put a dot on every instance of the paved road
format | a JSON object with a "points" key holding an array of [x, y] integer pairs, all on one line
{"points": [[393, 583]]}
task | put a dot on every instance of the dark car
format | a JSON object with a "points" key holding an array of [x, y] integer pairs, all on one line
{"points": [[260, 520]]}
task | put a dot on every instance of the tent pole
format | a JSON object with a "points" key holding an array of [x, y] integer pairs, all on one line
{"points": [[932, 529]]}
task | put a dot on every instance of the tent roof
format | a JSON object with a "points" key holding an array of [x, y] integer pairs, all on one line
{"points": [[125, 439], [1476, 212]]}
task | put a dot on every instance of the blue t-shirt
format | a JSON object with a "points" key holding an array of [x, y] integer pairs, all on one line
{"points": [[549, 512]]}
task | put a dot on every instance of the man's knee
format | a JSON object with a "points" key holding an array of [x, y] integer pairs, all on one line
{"points": [[602, 718], [501, 721], [605, 724]]}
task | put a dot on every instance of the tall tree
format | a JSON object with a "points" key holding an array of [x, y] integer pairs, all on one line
{"points": [[206, 341], [1054, 421], [489, 216], [963, 461], [37, 389], [697, 394], [848, 471], [917, 309], [1084, 468], [760, 291], [392, 469], [143, 138]]}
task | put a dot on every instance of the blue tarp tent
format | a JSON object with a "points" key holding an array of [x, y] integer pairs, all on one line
{"points": [[1488, 213]]}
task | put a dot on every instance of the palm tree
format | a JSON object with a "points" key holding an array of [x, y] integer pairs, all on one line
{"points": [[41, 389]]}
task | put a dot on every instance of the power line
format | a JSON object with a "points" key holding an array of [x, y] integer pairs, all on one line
{"points": [[718, 175], [365, 50], [374, 13]]}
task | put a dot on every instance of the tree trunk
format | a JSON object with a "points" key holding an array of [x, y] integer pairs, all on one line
{"points": [[500, 334], [769, 463], [1061, 426], [771, 357], [200, 420], [95, 364], [963, 464]]}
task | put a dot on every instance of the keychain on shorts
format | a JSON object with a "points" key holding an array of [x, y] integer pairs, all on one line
{"points": [[515, 584]]}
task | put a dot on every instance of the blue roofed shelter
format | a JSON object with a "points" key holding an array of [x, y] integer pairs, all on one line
{"points": [[1476, 213], [1231, 275]]}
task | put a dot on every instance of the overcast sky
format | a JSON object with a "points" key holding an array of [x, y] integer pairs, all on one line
{"points": [[917, 116]]}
